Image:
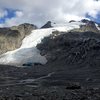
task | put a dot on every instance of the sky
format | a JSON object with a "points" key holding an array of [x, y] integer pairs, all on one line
{"points": [[38, 12]]}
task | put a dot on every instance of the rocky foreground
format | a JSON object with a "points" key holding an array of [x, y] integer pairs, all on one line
{"points": [[35, 83], [71, 73]]}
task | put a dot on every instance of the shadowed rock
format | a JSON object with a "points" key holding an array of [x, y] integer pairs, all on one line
{"points": [[72, 21], [47, 25]]}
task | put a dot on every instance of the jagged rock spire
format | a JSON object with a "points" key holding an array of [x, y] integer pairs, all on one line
{"points": [[47, 25]]}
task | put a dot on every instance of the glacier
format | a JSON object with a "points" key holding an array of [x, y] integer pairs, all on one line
{"points": [[97, 26], [28, 53]]}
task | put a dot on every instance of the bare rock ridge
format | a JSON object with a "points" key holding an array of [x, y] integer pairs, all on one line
{"points": [[47, 25], [11, 37], [73, 48], [24, 29], [88, 26]]}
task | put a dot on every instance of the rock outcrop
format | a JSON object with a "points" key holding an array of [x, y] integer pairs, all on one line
{"points": [[11, 37], [88, 26], [72, 47], [47, 25], [72, 21], [24, 29]]}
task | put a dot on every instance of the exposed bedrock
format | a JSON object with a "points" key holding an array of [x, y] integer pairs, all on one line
{"points": [[11, 37]]}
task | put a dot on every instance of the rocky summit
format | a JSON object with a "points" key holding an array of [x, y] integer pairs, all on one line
{"points": [[72, 71], [47, 25]]}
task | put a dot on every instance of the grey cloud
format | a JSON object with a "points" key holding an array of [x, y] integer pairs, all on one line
{"points": [[40, 11]]}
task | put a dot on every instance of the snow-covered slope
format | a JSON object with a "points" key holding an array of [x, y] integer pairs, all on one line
{"points": [[97, 26], [28, 53]]}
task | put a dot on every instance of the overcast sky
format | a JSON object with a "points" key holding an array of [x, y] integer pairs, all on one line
{"points": [[14, 12]]}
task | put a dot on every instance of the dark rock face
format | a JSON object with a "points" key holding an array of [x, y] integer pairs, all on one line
{"points": [[74, 47], [47, 25], [72, 21], [73, 86], [99, 25], [11, 37], [85, 21]]}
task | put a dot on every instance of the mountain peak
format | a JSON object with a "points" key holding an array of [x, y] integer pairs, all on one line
{"points": [[47, 25]]}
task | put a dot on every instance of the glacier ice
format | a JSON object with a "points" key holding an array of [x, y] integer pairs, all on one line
{"points": [[28, 53]]}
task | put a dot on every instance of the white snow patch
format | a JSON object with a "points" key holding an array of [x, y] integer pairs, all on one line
{"points": [[97, 26], [28, 53]]}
